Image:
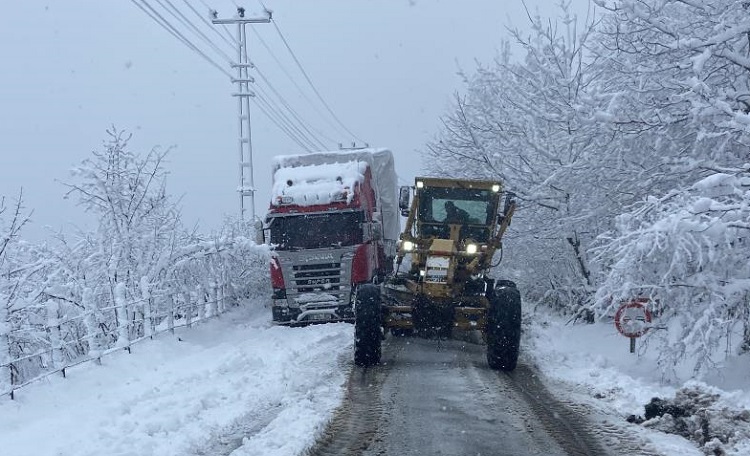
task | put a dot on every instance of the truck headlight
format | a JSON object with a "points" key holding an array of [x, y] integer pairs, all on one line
{"points": [[471, 249], [495, 188], [408, 246], [420, 184]]}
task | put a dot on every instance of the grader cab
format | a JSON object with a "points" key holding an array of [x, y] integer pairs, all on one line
{"points": [[441, 285]]}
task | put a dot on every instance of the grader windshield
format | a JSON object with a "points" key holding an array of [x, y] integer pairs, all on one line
{"points": [[474, 208]]}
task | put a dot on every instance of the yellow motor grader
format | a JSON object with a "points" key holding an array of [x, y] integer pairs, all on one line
{"points": [[453, 229]]}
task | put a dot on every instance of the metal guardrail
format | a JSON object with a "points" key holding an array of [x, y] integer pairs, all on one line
{"points": [[184, 314]]}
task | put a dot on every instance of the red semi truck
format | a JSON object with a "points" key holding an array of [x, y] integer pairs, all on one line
{"points": [[333, 224]]}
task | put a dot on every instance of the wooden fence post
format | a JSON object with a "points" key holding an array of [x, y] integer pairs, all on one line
{"points": [[123, 321], [55, 338], [91, 321], [187, 308], [6, 368], [170, 314], [148, 324]]}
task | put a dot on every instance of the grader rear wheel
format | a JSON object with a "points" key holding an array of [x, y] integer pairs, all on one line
{"points": [[503, 331], [367, 330]]}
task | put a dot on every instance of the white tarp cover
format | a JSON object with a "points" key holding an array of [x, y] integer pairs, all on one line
{"points": [[383, 174], [318, 184]]}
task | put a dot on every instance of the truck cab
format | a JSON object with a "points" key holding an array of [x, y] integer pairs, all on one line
{"points": [[325, 225]]}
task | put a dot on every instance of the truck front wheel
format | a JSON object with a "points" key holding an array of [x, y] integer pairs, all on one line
{"points": [[503, 331], [367, 331]]}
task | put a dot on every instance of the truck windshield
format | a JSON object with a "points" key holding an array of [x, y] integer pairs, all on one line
{"points": [[314, 231]]}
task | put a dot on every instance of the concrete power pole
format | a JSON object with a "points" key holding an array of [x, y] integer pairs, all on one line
{"points": [[243, 80]]}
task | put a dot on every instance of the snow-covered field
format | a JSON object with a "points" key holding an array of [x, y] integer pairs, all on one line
{"points": [[238, 375]]}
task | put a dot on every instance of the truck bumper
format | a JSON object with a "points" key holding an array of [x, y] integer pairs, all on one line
{"points": [[283, 314]]}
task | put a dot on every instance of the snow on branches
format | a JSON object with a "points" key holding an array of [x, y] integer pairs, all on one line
{"points": [[688, 252]]}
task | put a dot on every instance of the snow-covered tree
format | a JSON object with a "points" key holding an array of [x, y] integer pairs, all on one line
{"points": [[686, 251], [10, 228], [528, 124], [678, 80], [137, 221], [675, 75]]}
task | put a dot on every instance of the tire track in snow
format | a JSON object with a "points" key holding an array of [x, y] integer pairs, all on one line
{"points": [[579, 429]]}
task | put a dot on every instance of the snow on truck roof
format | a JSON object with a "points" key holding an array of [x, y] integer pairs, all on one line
{"points": [[347, 164], [317, 184]]}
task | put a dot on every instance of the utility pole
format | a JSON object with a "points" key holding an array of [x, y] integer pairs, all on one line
{"points": [[243, 80]]}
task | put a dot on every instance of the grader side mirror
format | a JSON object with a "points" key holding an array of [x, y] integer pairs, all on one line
{"points": [[404, 193], [510, 200]]}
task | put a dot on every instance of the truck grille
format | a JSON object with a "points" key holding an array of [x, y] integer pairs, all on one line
{"points": [[306, 275], [317, 277]]}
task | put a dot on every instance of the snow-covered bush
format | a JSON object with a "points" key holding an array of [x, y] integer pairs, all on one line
{"points": [[687, 252]]}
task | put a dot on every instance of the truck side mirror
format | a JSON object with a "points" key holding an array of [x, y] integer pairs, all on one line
{"points": [[371, 231], [377, 231], [404, 193], [260, 237]]}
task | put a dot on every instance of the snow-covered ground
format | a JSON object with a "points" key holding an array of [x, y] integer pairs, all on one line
{"points": [[238, 375], [171, 395], [595, 365]]}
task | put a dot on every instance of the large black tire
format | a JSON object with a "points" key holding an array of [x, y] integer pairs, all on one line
{"points": [[504, 327], [367, 331]]}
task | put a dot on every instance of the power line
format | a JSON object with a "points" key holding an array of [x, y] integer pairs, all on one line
{"points": [[177, 14], [299, 89], [294, 114], [284, 119], [269, 113], [230, 41], [309, 81], [159, 19]]}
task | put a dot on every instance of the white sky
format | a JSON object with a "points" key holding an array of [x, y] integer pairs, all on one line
{"points": [[72, 69], [239, 377]]}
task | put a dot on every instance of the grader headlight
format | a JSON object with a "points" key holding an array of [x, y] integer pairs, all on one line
{"points": [[471, 249], [408, 246]]}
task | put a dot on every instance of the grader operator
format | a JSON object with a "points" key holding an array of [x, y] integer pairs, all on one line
{"points": [[454, 228]]}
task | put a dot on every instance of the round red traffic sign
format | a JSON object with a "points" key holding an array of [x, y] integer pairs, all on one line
{"points": [[633, 318]]}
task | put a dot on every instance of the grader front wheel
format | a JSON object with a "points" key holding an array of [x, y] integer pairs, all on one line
{"points": [[367, 330], [503, 332]]}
